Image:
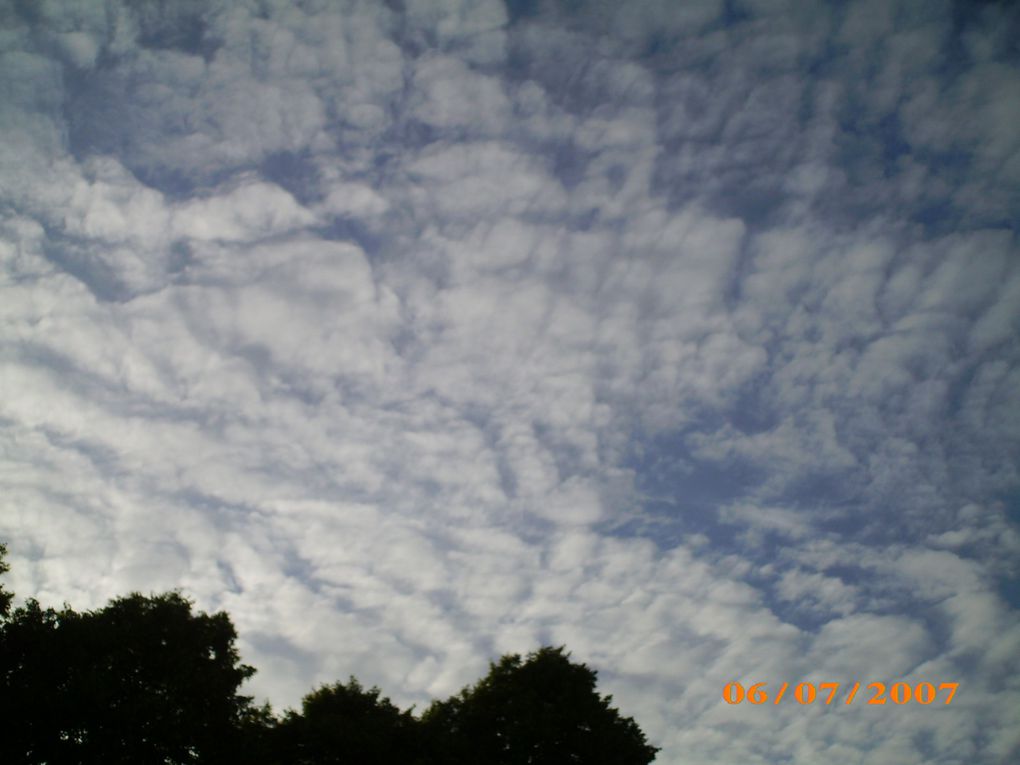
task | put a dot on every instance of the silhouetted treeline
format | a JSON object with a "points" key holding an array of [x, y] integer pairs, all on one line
{"points": [[146, 680]]}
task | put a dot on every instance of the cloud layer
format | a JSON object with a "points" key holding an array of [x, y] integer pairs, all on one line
{"points": [[414, 333]]}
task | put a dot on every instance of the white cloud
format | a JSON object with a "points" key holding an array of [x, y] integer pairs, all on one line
{"points": [[450, 96], [250, 212]]}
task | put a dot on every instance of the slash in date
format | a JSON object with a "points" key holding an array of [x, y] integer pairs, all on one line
{"points": [[808, 693]]}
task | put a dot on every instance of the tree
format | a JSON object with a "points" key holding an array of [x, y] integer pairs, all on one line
{"points": [[141, 680], [345, 723], [540, 711], [5, 597], [145, 680]]}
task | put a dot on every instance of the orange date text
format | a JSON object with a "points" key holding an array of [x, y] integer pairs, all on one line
{"points": [[923, 693]]}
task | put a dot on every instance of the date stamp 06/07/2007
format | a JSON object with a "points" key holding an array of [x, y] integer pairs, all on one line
{"points": [[827, 693]]}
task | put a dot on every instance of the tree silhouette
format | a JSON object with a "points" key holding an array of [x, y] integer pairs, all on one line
{"points": [[142, 680], [540, 711], [5, 597], [345, 723], [146, 680]]}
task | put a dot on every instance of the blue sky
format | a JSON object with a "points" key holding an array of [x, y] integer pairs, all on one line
{"points": [[417, 332]]}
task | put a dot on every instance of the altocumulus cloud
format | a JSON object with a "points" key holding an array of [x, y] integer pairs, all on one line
{"points": [[412, 333]]}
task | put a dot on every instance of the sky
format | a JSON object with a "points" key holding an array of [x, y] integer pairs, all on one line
{"points": [[412, 333]]}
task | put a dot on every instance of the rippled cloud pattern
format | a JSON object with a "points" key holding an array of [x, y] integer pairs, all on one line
{"points": [[416, 332]]}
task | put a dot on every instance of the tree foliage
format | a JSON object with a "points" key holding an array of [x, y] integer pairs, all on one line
{"points": [[5, 597], [147, 680], [141, 680], [345, 723], [544, 710]]}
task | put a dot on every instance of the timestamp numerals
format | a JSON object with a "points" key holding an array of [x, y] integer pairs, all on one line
{"points": [[923, 693]]}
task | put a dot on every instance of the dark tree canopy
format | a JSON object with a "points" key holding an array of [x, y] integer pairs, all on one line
{"points": [[142, 680], [540, 711], [146, 680], [345, 723], [5, 597]]}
